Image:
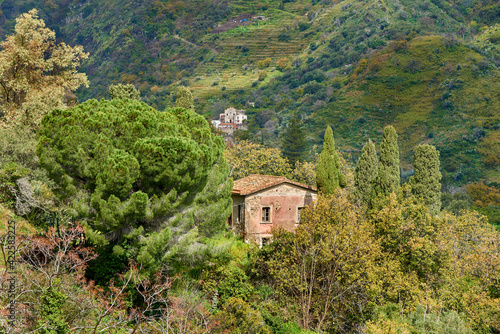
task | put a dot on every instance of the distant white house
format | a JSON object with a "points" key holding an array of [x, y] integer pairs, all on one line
{"points": [[231, 120]]}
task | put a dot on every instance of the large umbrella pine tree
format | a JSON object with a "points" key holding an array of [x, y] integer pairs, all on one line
{"points": [[137, 176]]}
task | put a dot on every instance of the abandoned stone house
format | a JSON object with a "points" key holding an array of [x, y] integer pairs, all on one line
{"points": [[261, 202]]}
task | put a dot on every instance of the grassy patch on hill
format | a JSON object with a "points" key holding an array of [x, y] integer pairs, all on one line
{"points": [[434, 91]]}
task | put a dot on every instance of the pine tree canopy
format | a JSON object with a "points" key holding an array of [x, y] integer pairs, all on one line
{"points": [[366, 171], [130, 170], [328, 176], [426, 183], [388, 176]]}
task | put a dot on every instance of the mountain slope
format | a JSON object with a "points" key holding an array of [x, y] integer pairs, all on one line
{"points": [[427, 67]]}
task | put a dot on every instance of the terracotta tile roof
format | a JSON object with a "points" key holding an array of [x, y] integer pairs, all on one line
{"points": [[255, 182]]}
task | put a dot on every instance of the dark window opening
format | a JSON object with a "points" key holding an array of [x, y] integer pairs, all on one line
{"points": [[299, 211], [240, 213], [266, 241], [266, 214]]}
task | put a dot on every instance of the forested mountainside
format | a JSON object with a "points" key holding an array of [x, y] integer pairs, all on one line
{"points": [[430, 68]]}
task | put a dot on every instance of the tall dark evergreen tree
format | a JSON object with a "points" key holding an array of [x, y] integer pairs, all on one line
{"points": [[426, 181], [388, 176], [366, 172], [294, 144], [328, 176]]}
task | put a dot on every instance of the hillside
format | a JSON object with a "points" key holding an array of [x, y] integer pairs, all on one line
{"points": [[430, 68]]}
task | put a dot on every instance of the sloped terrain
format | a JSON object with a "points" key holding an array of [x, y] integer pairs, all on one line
{"points": [[428, 67]]}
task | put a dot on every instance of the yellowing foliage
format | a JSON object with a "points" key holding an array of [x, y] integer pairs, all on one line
{"points": [[483, 195], [283, 63], [35, 72], [327, 267], [264, 63], [247, 158]]}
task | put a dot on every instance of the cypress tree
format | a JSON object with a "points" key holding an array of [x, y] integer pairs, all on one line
{"points": [[366, 171], [184, 99], [388, 177], [328, 176], [426, 181], [294, 145]]}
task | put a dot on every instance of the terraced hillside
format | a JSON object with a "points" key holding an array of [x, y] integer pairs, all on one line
{"points": [[428, 67]]}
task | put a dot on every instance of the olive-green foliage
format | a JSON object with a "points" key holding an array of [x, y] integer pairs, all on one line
{"points": [[17, 159], [278, 318], [426, 181], [130, 171], [455, 203], [9, 173], [407, 230], [184, 98], [24, 185], [328, 176], [52, 314], [17, 144], [325, 265], [227, 276], [366, 171], [239, 318], [122, 91], [388, 319], [233, 283], [388, 177], [435, 323]]}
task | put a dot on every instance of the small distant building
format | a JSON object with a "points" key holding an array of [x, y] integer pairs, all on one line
{"points": [[261, 202], [233, 115], [231, 120], [260, 17], [216, 123]]}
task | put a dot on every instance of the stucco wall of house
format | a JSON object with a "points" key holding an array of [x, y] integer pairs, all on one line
{"points": [[237, 219], [284, 200]]}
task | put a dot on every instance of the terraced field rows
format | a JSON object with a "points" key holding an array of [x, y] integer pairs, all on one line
{"points": [[262, 44]]}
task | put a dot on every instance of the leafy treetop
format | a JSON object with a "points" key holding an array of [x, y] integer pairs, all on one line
{"points": [[366, 171], [426, 181], [35, 72], [122, 91], [388, 177], [328, 176]]}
